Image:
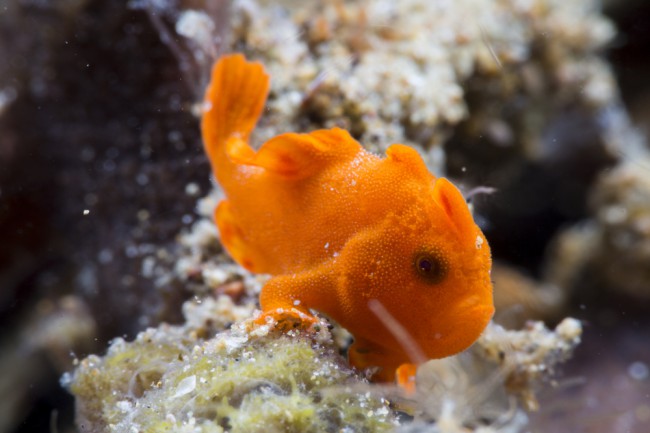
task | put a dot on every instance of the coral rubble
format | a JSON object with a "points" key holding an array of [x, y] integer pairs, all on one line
{"points": [[410, 71]]}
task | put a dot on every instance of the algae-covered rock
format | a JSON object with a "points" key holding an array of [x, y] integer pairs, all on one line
{"points": [[249, 378], [241, 380]]}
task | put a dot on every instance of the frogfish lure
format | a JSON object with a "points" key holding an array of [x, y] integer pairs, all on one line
{"points": [[341, 229]]}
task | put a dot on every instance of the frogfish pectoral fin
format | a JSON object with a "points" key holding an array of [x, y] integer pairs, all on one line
{"points": [[312, 288], [232, 236]]}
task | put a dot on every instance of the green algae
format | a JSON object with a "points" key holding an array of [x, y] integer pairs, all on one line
{"points": [[166, 381]]}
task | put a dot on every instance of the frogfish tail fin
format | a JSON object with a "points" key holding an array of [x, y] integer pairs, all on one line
{"points": [[234, 101]]}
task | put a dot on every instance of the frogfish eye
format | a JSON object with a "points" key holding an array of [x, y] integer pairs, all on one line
{"points": [[431, 266]]}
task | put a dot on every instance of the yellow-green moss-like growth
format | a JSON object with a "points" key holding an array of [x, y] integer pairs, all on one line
{"points": [[167, 381]]}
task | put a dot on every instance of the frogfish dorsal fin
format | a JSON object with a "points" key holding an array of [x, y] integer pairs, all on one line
{"points": [[297, 156], [403, 154]]}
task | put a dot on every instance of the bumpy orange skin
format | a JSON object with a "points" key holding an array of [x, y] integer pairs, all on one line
{"points": [[339, 227]]}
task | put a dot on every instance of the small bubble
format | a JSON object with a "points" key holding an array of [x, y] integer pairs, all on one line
{"points": [[192, 189], [108, 165], [175, 102], [174, 136], [142, 179], [638, 370], [131, 251], [148, 267], [86, 211], [143, 215], [105, 256]]}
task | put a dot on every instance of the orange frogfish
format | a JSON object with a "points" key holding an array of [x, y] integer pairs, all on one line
{"points": [[342, 230]]}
